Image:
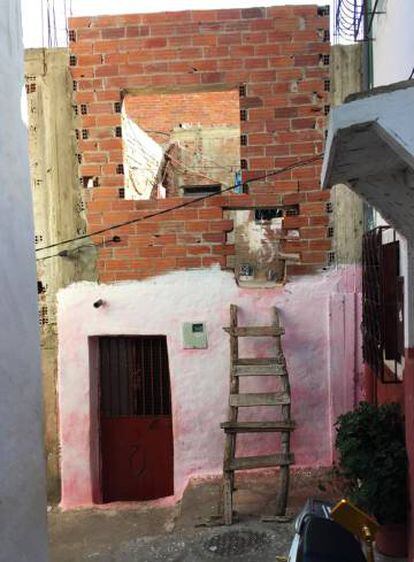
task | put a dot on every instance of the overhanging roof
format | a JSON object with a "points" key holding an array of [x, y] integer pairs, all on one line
{"points": [[370, 147]]}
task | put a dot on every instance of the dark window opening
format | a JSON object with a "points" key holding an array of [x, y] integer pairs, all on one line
{"points": [[383, 305], [121, 193], [326, 36], [243, 140], [120, 169], [118, 131], [117, 107], [200, 190], [326, 59], [72, 35], [242, 90], [327, 85], [261, 215], [323, 11], [72, 60], [134, 376], [243, 115]]}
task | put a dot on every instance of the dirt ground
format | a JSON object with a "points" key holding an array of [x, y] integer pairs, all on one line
{"points": [[146, 532]]}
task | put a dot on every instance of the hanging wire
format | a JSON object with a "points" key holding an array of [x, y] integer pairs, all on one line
{"points": [[192, 201]]}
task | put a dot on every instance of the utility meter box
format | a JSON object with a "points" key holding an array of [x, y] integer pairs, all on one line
{"points": [[194, 335]]}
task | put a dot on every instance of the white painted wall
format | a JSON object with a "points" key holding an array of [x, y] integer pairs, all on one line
{"points": [[22, 485], [393, 41]]}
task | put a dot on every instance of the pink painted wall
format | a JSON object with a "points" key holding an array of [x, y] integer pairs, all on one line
{"points": [[320, 314]]}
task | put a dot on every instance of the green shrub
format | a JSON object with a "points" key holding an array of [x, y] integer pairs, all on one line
{"points": [[373, 459]]}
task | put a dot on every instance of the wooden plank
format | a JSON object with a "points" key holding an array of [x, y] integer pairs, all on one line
{"points": [[258, 427], [275, 369], [259, 399], [260, 360], [255, 331], [244, 463]]}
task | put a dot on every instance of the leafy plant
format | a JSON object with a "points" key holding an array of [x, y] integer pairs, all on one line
{"points": [[373, 459]]}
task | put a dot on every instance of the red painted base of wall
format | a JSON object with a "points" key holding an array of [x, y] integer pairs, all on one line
{"points": [[409, 433]]}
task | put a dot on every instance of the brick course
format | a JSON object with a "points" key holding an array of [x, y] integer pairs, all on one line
{"points": [[275, 53]]}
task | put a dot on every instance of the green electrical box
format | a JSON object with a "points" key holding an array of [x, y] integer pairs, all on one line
{"points": [[194, 335]]}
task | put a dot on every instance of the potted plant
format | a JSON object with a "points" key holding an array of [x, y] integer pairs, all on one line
{"points": [[373, 460]]}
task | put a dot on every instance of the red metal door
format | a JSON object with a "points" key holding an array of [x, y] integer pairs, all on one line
{"points": [[136, 423]]}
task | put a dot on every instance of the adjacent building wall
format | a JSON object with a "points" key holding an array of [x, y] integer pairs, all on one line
{"points": [[348, 207], [58, 215], [22, 482]]}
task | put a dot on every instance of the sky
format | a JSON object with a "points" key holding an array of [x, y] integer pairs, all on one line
{"points": [[36, 35]]}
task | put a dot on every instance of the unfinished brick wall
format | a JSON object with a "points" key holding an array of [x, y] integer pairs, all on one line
{"points": [[279, 57]]}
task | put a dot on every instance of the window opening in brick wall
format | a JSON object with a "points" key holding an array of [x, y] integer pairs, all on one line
{"points": [[383, 304], [323, 11], [121, 193], [261, 215], [72, 60], [72, 35], [120, 169], [243, 140], [200, 190], [117, 107], [243, 115], [118, 131]]}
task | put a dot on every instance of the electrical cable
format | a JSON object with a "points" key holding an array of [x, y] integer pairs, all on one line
{"points": [[67, 253], [299, 164]]}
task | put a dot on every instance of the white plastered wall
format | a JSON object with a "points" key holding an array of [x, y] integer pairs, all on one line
{"points": [[22, 483]]}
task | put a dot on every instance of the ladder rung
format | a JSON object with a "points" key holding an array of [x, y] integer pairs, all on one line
{"points": [[242, 463], [257, 427], [255, 331], [260, 399], [260, 370], [259, 360]]}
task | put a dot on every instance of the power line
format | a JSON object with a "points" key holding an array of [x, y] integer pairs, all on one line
{"points": [[68, 253], [299, 164]]}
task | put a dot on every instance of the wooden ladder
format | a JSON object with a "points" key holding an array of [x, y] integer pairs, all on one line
{"points": [[276, 367]]}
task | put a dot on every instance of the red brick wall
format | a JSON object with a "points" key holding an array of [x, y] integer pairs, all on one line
{"points": [[164, 112], [276, 52]]}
